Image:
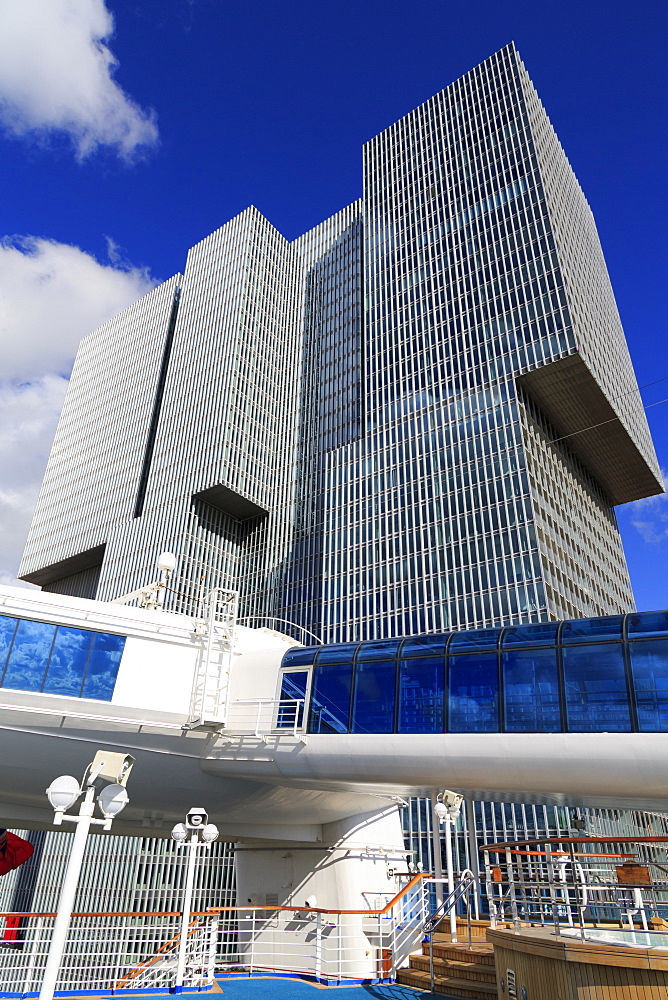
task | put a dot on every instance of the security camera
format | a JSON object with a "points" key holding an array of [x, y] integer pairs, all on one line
{"points": [[113, 768], [196, 819]]}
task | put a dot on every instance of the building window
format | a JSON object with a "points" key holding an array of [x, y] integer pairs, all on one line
{"points": [[57, 659]]}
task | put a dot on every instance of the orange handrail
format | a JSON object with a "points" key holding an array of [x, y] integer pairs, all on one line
{"points": [[320, 909], [148, 962]]}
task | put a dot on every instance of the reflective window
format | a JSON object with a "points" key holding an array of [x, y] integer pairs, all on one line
{"points": [[105, 658], [330, 698], [596, 694], [531, 691], [593, 629], [29, 656], [544, 634], [473, 693], [7, 630], [423, 645], [482, 639], [421, 695], [648, 623], [292, 699], [379, 649], [300, 656], [649, 665], [57, 659], [373, 699], [342, 653]]}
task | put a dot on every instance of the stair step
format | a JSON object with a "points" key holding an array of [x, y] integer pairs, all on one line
{"points": [[479, 953], [461, 970], [452, 986]]}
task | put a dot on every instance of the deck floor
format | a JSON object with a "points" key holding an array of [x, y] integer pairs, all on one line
{"points": [[296, 989]]}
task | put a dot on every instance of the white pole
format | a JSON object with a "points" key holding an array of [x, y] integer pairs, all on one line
{"points": [[185, 916], [450, 876], [67, 893], [436, 849]]}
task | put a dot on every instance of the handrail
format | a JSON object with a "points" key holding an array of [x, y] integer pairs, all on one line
{"points": [[319, 909], [466, 880]]}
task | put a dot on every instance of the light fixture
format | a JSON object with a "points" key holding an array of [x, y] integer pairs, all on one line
{"points": [[440, 811], [63, 792], [166, 562], [210, 833], [112, 800], [179, 833]]}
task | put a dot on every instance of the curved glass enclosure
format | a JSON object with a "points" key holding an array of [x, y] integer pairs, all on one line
{"points": [[57, 659], [591, 675]]}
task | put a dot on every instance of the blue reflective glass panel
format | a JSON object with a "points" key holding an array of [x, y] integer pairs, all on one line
{"points": [[103, 664], [424, 645], [541, 634], [27, 661], [300, 656], [292, 699], [648, 623], [379, 649], [596, 696], [473, 693], [330, 698], [531, 691], [373, 698], [7, 629], [649, 665], [593, 629], [480, 638], [421, 695], [67, 665], [341, 653]]}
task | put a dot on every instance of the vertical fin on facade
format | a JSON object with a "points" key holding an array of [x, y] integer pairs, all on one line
{"points": [[157, 404]]}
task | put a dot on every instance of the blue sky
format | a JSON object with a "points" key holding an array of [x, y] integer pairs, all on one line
{"points": [[113, 161]]}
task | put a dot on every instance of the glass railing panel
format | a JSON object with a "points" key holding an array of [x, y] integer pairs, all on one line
{"points": [[649, 666], [473, 699], [531, 691], [596, 692]]}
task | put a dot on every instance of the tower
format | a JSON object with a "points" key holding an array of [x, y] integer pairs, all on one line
{"points": [[417, 416]]}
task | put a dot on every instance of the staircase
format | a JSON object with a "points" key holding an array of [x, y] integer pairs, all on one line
{"points": [[458, 971]]}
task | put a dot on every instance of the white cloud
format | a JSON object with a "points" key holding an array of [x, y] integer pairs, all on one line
{"points": [[56, 74], [51, 295], [650, 516]]}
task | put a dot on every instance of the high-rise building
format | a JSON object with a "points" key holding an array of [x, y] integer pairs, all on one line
{"points": [[418, 416]]}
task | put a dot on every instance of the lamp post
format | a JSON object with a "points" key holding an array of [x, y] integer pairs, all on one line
{"points": [[188, 835], [105, 778], [446, 811]]}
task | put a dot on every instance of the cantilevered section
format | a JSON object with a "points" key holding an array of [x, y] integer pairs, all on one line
{"points": [[582, 414]]}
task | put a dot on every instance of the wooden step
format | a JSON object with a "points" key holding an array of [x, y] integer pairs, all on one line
{"points": [[460, 970], [479, 952], [452, 986]]}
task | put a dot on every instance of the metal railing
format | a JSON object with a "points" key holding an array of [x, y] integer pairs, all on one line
{"points": [[462, 890], [576, 884], [264, 717], [117, 952], [107, 952]]}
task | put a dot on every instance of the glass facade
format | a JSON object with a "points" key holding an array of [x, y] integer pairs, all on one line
{"points": [[542, 678], [57, 659]]}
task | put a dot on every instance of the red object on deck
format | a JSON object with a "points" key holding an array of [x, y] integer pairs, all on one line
{"points": [[16, 852]]}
